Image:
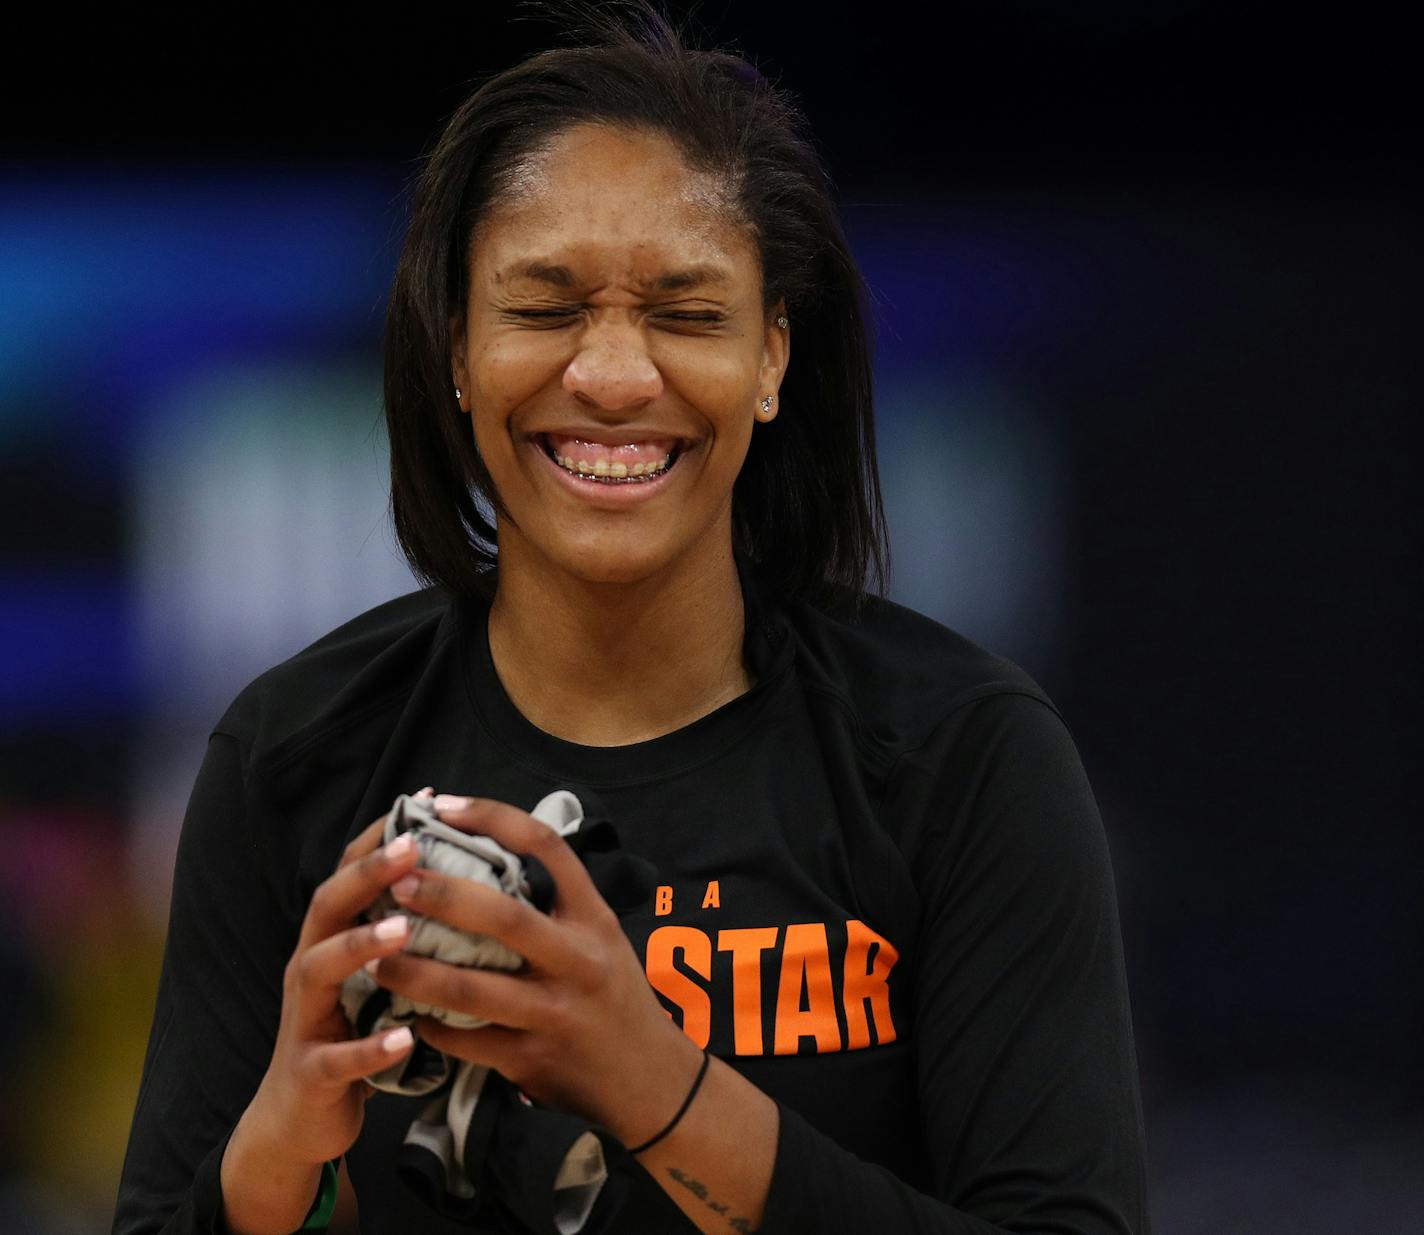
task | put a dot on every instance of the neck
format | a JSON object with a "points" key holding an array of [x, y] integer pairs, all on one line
{"points": [[609, 664]]}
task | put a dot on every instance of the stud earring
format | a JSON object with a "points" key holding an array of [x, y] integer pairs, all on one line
{"points": [[781, 321], [766, 404], [457, 394]]}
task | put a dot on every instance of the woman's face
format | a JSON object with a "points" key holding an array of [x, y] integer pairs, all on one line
{"points": [[614, 356]]}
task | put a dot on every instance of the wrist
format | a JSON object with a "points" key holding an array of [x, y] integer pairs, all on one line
{"points": [[668, 1127], [264, 1190], [649, 1103]]}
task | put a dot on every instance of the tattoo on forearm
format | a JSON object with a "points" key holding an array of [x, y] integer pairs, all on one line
{"points": [[698, 1189]]}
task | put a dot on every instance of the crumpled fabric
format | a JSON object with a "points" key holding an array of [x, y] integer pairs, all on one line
{"points": [[480, 1145]]}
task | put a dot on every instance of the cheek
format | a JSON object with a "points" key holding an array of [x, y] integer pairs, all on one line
{"points": [[721, 385], [510, 370], [488, 440]]}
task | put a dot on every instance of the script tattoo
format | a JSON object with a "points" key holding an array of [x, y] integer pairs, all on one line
{"points": [[698, 1189]]}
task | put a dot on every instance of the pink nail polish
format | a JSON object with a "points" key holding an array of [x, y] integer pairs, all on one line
{"points": [[397, 1039], [426, 793], [404, 889], [399, 847], [450, 802], [394, 927]]}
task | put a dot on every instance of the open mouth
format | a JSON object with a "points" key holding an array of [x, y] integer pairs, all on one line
{"points": [[632, 463]]}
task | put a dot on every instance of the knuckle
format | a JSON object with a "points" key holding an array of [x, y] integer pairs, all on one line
{"points": [[504, 914], [606, 925], [432, 890], [450, 990], [593, 968], [557, 1015], [305, 967], [540, 840], [321, 899], [323, 1066]]}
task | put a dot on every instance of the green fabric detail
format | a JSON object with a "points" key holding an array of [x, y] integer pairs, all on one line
{"points": [[325, 1203]]}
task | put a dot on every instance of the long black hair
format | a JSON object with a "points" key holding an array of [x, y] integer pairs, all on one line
{"points": [[806, 504]]}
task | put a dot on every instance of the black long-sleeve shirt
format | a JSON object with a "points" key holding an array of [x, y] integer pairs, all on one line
{"points": [[884, 897]]}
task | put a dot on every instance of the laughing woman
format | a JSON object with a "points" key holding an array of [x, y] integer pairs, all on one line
{"points": [[876, 982]]}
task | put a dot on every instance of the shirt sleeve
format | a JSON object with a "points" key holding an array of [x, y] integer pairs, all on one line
{"points": [[1027, 1074], [216, 1014]]}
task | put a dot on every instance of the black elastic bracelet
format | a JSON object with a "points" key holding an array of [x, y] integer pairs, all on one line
{"points": [[682, 1110]]}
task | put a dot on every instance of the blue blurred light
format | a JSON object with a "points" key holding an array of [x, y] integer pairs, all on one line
{"points": [[66, 648], [116, 287]]}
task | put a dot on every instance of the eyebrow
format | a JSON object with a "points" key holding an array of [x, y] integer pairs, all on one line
{"points": [[674, 281]]}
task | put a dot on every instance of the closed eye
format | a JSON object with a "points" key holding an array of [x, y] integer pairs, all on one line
{"points": [[559, 316]]}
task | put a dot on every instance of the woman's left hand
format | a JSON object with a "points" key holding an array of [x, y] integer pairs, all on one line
{"points": [[579, 1028]]}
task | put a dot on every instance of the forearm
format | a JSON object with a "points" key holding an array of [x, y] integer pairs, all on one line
{"points": [[264, 1193], [716, 1163], [717, 1166]]}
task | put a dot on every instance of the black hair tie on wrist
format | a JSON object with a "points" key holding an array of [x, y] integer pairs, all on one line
{"points": [[682, 1110]]}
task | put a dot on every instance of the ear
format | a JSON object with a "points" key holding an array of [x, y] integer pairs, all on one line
{"points": [[458, 372], [775, 355]]}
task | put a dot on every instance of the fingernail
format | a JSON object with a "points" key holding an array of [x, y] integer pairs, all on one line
{"points": [[427, 792], [393, 927], [397, 1039], [404, 889], [370, 965], [449, 801], [399, 847]]}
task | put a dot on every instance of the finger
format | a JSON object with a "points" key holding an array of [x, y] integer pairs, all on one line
{"points": [[341, 1063], [366, 841], [490, 994], [520, 832], [477, 909], [369, 838], [493, 1046], [342, 896], [325, 965]]}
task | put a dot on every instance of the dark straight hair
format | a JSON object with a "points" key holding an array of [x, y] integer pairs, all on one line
{"points": [[806, 505]]}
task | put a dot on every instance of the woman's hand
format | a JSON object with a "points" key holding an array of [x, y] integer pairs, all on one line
{"points": [[578, 1028], [309, 1106]]}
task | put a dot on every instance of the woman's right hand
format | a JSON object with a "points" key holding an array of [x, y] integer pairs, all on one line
{"points": [[309, 1106]]}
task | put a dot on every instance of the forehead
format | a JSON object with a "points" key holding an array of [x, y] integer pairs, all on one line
{"points": [[600, 204]]}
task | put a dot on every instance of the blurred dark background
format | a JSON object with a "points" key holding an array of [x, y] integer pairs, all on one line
{"points": [[1145, 281]]}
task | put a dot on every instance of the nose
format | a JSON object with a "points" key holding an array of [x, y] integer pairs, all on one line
{"points": [[613, 371]]}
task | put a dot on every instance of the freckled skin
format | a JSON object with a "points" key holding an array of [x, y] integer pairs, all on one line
{"points": [[619, 210]]}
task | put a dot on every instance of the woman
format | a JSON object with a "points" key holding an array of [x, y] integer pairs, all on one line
{"points": [[879, 979]]}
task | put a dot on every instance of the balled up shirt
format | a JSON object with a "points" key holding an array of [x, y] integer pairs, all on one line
{"points": [[883, 896]]}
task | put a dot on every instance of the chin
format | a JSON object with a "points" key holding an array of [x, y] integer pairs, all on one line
{"points": [[617, 568], [613, 561], [618, 552]]}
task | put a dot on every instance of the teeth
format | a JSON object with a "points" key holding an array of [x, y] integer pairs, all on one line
{"points": [[602, 469]]}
